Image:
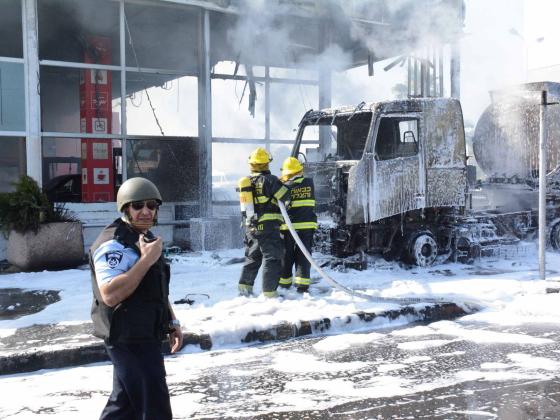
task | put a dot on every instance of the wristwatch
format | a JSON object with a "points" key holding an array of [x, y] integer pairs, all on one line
{"points": [[174, 323]]}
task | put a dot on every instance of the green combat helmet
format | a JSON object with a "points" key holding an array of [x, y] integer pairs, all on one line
{"points": [[136, 189]]}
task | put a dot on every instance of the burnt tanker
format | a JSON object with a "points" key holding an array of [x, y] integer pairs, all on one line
{"points": [[392, 177]]}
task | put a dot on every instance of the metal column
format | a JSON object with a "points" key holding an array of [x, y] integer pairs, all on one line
{"points": [[267, 107], [325, 96], [543, 134], [455, 76], [204, 115], [32, 93], [122, 38]]}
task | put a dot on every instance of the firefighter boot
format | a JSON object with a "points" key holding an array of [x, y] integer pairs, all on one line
{"points": [[245, 290]]}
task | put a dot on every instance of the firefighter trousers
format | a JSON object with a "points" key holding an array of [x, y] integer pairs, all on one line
{"points": [[262, 248], [293, 255]]}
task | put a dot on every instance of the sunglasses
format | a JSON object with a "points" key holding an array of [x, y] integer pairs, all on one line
{"points": [[139, 205]]}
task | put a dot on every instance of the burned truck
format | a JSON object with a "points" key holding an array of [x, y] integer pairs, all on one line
{"points": [[393, 178]]}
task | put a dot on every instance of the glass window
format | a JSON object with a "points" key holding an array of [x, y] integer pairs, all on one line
{"points": [[288, 103], [12, 161], [396, 137], [79, 31], [11, 40], [167, 100], [12, 97], [230, 159], [76, 100], [64, 169], [171, 163], [162, 37], [230, 110]]}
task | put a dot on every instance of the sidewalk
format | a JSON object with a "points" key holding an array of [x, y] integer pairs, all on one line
{"points": [[47, 346], [45, 316]]}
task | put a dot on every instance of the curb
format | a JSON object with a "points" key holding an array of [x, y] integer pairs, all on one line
{"points": [[35, 359]]}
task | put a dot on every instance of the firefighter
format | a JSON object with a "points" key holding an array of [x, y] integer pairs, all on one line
{"points": [[304, 220], [131, 310], [259, 195]]}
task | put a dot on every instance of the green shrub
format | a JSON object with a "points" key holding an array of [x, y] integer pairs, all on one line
{"points": [[27, 207]]}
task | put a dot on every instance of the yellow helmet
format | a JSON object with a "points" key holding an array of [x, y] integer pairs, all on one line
{"points": [[291, 166], [259, 156]]}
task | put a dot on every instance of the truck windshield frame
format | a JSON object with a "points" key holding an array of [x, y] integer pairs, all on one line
{"points": [[338, 137]]}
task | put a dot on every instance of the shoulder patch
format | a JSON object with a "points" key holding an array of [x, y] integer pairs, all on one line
{"points": [[113, 258]]}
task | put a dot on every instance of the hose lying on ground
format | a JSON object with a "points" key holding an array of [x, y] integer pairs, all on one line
{"points": [[335, 284]]}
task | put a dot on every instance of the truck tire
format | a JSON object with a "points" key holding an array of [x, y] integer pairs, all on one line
{"points": [[422, 248], [555, 235]]}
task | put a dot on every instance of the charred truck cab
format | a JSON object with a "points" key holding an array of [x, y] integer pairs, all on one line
{"points": [[390, 178]]}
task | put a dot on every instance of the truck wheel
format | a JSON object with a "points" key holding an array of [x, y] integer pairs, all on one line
{"points": [[422, 248], [555, 236]]}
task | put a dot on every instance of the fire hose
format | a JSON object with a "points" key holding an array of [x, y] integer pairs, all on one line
{"points": [[335, 284]]}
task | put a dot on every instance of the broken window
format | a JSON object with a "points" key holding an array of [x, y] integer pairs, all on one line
{"points": [[161, 104], [396, 137], [343, 137]]}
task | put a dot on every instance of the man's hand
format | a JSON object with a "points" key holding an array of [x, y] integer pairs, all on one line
{"points": [[176, 339], [150, 251]]}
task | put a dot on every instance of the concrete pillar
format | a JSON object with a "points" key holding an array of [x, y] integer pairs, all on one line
{"points": [[32, 93], [204, 115]]}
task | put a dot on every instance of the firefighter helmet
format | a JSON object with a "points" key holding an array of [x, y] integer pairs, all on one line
{"points": [[259, 156], [136, 189], [291, 166]]}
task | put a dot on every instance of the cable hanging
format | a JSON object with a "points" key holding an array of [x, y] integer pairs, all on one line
{"points": [[141, 75]]}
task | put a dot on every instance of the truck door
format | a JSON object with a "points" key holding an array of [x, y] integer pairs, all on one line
{"points": [[396, 176]]}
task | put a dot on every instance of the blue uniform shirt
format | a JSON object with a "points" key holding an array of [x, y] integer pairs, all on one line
{"points": [[112, 259]]}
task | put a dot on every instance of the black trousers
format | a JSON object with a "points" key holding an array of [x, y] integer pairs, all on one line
{"points": [[266, 248], [293, 255], [139, 387]]}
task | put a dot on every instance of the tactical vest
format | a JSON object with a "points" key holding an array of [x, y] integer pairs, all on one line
{"points": [[143, 316], [302, 204], [267, 190]]}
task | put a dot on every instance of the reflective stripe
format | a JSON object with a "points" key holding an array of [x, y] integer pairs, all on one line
{"points": [[305, 225], [271, 294], [285, 280], [270, 216], [298, 180], [300, 225], [280, 193], [302, 203], [303, 281], [261, 199]]}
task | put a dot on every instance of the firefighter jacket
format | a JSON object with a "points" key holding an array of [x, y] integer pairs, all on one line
{"points": [[143, 316], [267, 190], [302, 204]]}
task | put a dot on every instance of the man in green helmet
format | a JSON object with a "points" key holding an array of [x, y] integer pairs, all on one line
{"points": [[131, 310]]}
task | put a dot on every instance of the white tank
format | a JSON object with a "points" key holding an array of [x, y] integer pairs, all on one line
{"points": [[506, 137]]}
